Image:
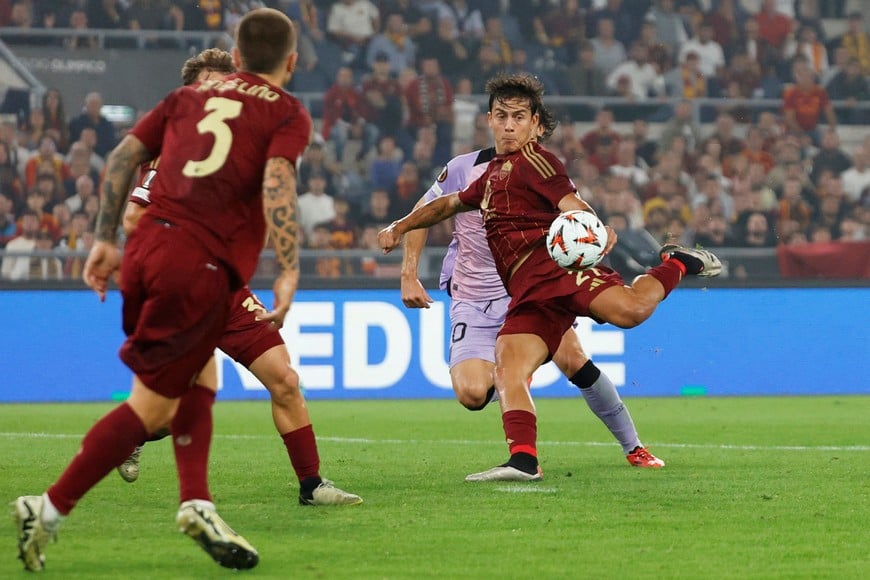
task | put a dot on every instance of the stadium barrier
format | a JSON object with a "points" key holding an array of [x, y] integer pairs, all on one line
{"points": [[364, 344]]}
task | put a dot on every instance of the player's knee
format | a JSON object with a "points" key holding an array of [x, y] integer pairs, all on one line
{"points": [[286, 389], [472, 397]]}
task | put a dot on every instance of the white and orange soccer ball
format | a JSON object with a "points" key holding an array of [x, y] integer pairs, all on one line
{"points": [[577, 240]]}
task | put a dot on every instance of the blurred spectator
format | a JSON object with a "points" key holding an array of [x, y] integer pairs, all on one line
{"points": [[315, 205], [830, 157], [418, 20], [445, 45], [841, 59], [744, 72], [55, 118], [830, 213], [107, 14], [351, 24], [18, 154], [326, 265], [856, 179], [714, 233], [8, 226], [852, 229], [409, 187], [753, 230], [629, 165], [378, 212], [383, 97], [79, 165], [646, 81], [33, 129], [10, 181], [385, 168], [682, 123], [710, 54], [87, 141], [78, 239], [429, 99], [92, 207], [726, 20], [92, 118], [393, 42], [18, 267], [657, 53], [647, 149], [46, 155], [851, 86], [344, 116], [561, 28], [468, 22], [40, 199], [686, 81], [857, 42], [584, 76], [805, 102], [670, 29], [313, 161], [343, 231], [655, 218], [609, 52], [84, 189], [792, 206], [494, 37], [806, 43], [774, 27], [603, 128], [754, 151], [465, 112], [756, 48]]}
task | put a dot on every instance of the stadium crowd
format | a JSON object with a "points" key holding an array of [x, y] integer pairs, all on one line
{"points": [[399, 80]]}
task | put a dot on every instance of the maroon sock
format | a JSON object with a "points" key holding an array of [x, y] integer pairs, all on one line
{"points": [[106, 445], [191, 440], [669, 273], [521, 432], [302, 449]]}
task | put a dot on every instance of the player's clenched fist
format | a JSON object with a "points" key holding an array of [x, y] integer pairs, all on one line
{"points": [[389, 238]]}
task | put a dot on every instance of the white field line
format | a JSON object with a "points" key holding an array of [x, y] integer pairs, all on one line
{"points": [[366, 441]]}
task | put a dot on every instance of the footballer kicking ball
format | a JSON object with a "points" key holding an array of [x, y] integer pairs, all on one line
{"points": [[577, 240]]}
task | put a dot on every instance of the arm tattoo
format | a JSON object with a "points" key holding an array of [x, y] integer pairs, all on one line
{"points": [[279, 205], [120, 167]]}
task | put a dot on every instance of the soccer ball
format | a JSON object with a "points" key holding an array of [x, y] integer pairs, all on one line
{"points": [[576, 240]]}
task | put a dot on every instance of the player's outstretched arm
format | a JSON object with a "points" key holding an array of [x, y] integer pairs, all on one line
{"points": [[414, 295], [425, 216], [280, 208], [104, 258]]}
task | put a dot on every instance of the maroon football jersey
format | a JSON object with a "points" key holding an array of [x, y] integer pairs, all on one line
{"points": [[518, 196], [213, 140]]}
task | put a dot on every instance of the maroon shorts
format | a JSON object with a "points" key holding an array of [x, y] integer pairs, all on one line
{"points": [[246, 338], [546, 301], [176, 299]]}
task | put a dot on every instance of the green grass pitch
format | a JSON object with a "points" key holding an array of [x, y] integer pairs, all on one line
{"points": [[753, 488]]}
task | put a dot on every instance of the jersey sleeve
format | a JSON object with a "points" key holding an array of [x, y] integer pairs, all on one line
{"points": [[452, 178], [291, 139], [473, 194], [547, 175], [149, 129]]}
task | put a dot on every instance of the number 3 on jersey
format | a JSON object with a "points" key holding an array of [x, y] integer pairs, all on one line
{"points": [[220, 109]]}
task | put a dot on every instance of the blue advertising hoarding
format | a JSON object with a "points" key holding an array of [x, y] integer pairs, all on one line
{"points": [[362, 344]]}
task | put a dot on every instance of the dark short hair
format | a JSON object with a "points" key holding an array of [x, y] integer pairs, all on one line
{"points": [[548, 123], [264, 38], [520, 86], [212, 59]]}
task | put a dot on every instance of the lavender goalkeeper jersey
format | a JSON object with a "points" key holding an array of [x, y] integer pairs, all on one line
{"points": [[468, 266]]}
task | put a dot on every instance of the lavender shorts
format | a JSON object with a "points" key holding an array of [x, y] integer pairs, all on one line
{"points": [[474, 326]]}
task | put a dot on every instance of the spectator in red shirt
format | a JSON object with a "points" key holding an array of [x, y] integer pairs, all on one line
{"points": [[344, 116], [429, 99], [804, 102], [773, 26]]}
